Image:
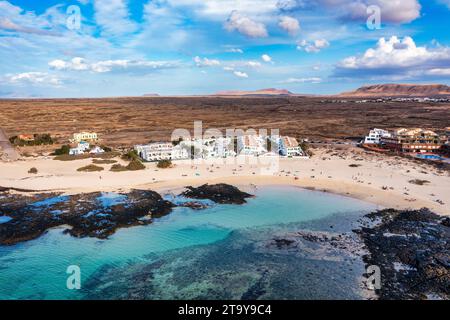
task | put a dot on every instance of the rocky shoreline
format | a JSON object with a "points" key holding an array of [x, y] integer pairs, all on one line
{"points": [[27, 216], [411, 248], [219, 193]]}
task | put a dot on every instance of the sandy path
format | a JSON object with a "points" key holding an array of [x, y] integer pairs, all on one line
{"points": [[5, 147]]}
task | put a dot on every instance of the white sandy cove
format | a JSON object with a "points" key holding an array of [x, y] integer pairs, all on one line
{"points": [[327, 170]]}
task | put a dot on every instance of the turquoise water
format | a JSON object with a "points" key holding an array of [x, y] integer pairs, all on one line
{"points": [[432, 157], [37, 269]]}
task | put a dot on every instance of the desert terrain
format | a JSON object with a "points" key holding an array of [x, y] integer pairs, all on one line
{"points": [[127, 121]]}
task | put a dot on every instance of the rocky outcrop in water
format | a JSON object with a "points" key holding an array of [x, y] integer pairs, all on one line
{"points": [[86, 215], [412, 249], [219, 193]]}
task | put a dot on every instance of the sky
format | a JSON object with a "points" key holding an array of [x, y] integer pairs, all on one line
{"points": [[103, 48]]}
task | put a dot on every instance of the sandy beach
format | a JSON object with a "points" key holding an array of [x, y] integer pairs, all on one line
{"points": [[353, 172]]}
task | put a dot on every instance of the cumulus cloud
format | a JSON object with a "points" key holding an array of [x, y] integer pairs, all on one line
{"points": [[396, 57], [80, 64], [314, 46], [392, 11], [15, 19], [266, 58], [113, 17], [396, 11], [243, 24], [302, 80], [235, 50], [289, 24], [218, 9], [34, 78], [205, 62], [240, 74]]}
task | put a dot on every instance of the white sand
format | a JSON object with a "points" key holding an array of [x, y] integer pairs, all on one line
{"points": [[327, 170]]}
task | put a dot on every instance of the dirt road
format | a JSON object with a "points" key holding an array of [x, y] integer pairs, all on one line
{"points": [[6, 148]]}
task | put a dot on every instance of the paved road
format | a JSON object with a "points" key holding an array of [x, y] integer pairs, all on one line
{"points": [[6, 148]]}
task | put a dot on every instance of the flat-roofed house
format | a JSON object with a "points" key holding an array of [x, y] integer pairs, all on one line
{"points": [[26, 137], [161, 151], [413, 140], [85, 136], [251, 145], [221, 147], [375, 136], [289, 147]]}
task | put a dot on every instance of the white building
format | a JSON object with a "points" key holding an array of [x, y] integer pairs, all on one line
{"points": [[289, 147], [85, 136], [161, 151], [375, 136], [81, 148], [96, 150], [251, 145], [217, 147]]}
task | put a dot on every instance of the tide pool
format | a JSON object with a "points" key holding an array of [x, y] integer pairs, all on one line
{"points": [[37, 269]]}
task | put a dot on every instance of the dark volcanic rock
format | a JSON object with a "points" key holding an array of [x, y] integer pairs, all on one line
{"points": [[219, 193], [412, 249], [88, 215]]}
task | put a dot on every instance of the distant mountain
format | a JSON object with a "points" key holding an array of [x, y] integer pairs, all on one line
{"points": [[151, 95], [262, 92], [400, 90]]}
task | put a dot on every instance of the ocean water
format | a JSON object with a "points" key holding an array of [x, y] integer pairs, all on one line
{"points": [[216, 253]]}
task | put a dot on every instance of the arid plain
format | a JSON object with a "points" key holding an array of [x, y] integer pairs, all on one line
{"points": [[127, 121]]}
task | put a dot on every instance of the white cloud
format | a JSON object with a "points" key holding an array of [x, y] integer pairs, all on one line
{"points": [[394, 11], [439, 72], [113, 17], [252, 64], [235, 50], [34, 78], [240, 74], [266, 58], [205, 62], [289, 24], [398, 57], [314, 46], [80, 64], [245, 25], [219, 9], [302, 80]]}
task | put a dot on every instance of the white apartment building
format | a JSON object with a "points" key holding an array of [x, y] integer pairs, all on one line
{"points": [[375, 136], [85, 136], [217, 147], [161, 151], [289, 147], [251, 145]]}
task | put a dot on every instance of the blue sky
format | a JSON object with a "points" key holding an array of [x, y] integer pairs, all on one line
{"points": [[177, 47]]}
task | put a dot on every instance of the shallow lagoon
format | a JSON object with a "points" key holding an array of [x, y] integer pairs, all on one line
{"points": [[211, 253]]}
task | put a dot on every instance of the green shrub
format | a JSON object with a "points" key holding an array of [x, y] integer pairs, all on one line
{"points": [[65, 149], [33, 170], [118, 168], [90, 168], [419, 182], [103, 161], [130, 155], [164, 164], [135, 164]]}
